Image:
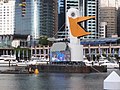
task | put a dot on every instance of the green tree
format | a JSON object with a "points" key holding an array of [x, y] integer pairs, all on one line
{"points": [[43, 40]]}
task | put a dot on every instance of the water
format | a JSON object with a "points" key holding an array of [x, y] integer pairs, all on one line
{"points": [[53, 81]]}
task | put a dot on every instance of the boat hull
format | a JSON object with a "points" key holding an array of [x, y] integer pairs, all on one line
{"points": [[68, 68]]}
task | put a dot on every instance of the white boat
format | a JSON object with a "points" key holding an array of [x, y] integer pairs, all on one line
{"points": [[110, 65], [22, 63], [8, 60], [88, 63], [37, 60]]}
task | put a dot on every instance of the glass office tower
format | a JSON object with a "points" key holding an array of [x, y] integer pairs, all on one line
{"points": [[36, 17], [23, 23]]}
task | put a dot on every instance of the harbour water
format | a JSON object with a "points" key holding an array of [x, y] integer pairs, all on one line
{"points": [[53, 81]]}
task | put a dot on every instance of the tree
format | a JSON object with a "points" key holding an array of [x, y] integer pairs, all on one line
{"points": [[43, 40]]}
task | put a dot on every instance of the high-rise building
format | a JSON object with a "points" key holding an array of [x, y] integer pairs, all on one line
{"points": [[109, 15], [91, 8], [35, 5], [7, 14], [72, 4], [118, 22], [102, 30], [61, 19], [23, 19], [48, 17], [36, 17]]}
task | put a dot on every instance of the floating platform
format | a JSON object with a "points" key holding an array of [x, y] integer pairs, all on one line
{"points": [[68, 68], [55, 68], [16, 70]]}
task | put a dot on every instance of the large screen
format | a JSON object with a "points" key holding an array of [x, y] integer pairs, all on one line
{"points": [[60, 56]]}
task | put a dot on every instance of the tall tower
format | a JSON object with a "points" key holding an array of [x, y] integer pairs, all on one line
{"points": [[118, 22], [36, 17], [92, 9], [23, 17], [61, 19], [48, 17], [109, 15], [7, 13]]}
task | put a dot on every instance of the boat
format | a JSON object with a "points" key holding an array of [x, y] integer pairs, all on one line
{"points": [[109, 62], [90, 63], [22, 63], [110, 65], [8, 60], [37, 60]]}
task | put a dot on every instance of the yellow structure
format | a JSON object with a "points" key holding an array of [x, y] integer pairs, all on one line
{"points": [[75, 28], [36, 71], [22, 4]]}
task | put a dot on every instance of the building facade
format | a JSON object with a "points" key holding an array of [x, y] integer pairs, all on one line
{"points": [[7, 17], [102, 30], [23, 19], [91, 9], [36, 17], [48, 17], [61, 19], [118, 22], [109, 15]]}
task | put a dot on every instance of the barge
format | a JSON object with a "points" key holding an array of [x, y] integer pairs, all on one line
{"points": [[68, 68]]}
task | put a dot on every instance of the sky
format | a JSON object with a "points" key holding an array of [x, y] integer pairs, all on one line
{"points": [[110, 3]]}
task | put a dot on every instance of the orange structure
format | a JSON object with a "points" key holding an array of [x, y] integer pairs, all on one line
{"points": [[75, 28]]}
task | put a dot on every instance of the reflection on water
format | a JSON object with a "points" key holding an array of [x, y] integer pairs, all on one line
{"points": [[53, 81]]}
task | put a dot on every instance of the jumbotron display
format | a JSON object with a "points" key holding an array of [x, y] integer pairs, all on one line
{"points": [[60, 56]]}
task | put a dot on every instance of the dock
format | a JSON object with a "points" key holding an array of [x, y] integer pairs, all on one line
{"points": [[69, 68], [54, 68], [15, 70]]}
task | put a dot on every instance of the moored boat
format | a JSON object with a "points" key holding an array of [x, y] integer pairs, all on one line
{"points": [[8, 60], [37, 61], [110, 65], [22, 63]]}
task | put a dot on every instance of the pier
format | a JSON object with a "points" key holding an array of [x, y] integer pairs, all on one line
{"points": [[69, 68]]}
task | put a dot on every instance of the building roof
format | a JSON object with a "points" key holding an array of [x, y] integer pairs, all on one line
{"points": [[18, 36], [99, 41]]}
